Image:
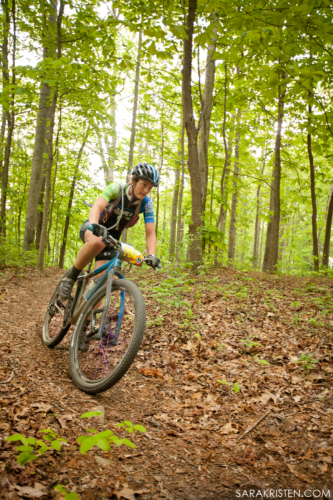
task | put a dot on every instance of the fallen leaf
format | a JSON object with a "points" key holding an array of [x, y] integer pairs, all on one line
{"points": [[323, 468], [299, 473], [126, 492], [229, 428], [151, 372], [103, 462], [29, 492], [265, 398], [19, 412], [41, 407], [197, 395], [288, 427], [62, 419]]}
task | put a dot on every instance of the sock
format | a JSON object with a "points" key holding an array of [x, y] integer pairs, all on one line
{"points": [[74, 274]]}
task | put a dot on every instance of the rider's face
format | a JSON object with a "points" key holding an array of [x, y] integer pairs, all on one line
{"points": [[142, 188]]}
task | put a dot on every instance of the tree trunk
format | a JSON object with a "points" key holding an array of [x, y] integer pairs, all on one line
{"points": [[206, 111], [2, 137], [41, 190], [315, 251], [54, 179], [70, 202], [111, 152], [256, 257], [273, 226], [10, 114], [326, 249], [39, 145], [232, 225], [161, 167], [49, 138], [174, 210], [192, 138], [135, 105], [225, 172], [180, 202], [133, 129]]}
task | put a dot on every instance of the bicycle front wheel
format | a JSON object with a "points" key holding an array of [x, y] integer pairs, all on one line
{"points": [[98, 360]]}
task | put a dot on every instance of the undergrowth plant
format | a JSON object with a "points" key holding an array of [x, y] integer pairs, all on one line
{"points": [[306, 361], [32, 448]]}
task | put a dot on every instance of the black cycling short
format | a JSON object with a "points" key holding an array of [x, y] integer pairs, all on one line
{"points": [[106, 254]]}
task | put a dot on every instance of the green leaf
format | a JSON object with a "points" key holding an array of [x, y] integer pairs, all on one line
{"points": [[26, 457], [140, 428], [15, 437], [224, 382], [72, 496], [236, 387], [103, 444], [91, 414], [56, 445], [60, 488], [24, 448], [87, 444], [128, 443]]}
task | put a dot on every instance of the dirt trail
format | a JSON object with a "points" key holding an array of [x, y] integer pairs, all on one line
{"points": [[191, 449]]}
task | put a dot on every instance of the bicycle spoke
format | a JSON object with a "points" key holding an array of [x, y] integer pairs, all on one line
{"points": [[104, 354]]}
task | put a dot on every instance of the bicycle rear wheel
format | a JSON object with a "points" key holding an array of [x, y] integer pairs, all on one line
{"points": [[56, 325], [97, 361]]}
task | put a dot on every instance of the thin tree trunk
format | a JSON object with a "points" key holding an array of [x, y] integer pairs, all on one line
{"points": [[135, 104], [10, 113], [181, 191], [39, 145], [326, 249], [20, 205], [225, 172], [192, 137], [70, 202], [135, 108], [164, 217], [273, 226], [261, 242], [232, 224], [111, 152], [206, 111], [54, 179], [256, 257], [175, 196], [41, 191], [161, 167], [315, 251], [49, 139]]}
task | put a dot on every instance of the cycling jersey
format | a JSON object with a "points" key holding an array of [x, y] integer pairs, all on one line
{"points": [[109, 217]]}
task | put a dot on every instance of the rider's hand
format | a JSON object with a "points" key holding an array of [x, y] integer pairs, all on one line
{"points": [[152, 261], [98, 230]]}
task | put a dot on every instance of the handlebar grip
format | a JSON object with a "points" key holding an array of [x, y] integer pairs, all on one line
{"points": [[90, 227], [159, 266]]}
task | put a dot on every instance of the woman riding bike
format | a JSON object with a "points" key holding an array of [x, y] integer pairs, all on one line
{"points": [[117, 208]]}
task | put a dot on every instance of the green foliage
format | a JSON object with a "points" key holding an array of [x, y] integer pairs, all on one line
{"points": [[68, 495], [306, 361], [31, 446]]}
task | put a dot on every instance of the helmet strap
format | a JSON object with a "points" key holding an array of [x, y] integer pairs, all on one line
{"points": [[132, 188]]}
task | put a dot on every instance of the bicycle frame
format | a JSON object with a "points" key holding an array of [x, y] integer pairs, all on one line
{"points": [[110, 271]]}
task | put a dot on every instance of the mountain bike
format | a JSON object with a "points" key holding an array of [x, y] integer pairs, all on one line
{"points": [[109, 317]]}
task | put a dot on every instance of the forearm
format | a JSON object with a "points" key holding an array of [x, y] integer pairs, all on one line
{"points": [[151, 243], [94, 215]]}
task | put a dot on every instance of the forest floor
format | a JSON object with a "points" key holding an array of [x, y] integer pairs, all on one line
{"points": [[244, 329]]}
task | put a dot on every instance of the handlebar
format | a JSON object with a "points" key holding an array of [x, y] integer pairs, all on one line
{"points": [[110, 241]]}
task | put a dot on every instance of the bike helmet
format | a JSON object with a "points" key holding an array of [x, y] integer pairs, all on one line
{"points": [[147, 172]]}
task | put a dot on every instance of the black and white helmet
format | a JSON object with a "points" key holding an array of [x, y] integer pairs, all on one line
{"points": [[147, 172]]}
